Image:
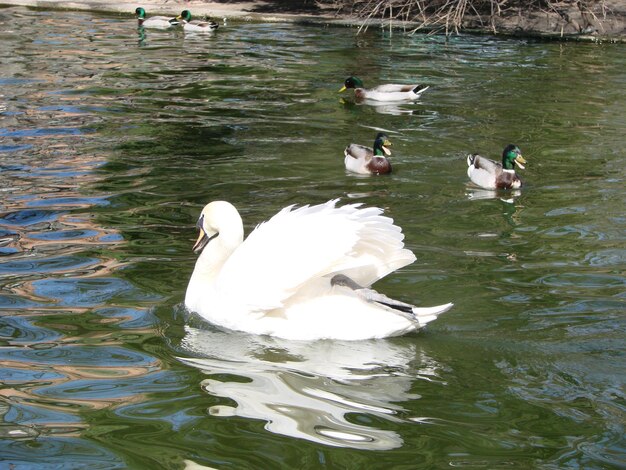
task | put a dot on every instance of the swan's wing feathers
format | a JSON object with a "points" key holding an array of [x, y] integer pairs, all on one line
{"points": [[373, 296], [378, 251], [298, 247], [283, 253], [414, 314]]}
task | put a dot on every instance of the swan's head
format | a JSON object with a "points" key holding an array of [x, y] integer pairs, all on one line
{"points": [[218, 218], [511, 156], [351, 82]]}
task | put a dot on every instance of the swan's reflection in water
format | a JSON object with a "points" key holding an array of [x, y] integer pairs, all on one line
{"points": [[315, 391]]}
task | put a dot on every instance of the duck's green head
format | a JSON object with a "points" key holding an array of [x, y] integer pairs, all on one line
{"points": [[184, 15], [511, 156], [351, 82], [381, 145], [141, 13]]}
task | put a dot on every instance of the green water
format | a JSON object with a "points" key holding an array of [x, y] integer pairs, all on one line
{"points": [[112, 141]]}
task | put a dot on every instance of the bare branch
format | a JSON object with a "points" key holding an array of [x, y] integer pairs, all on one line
{"points": [[449, 15]]}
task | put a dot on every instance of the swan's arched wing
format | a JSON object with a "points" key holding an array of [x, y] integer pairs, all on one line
{"points": [[300, 249]]}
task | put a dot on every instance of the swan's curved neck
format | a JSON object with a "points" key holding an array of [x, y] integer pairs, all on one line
{"points": [[215, 254]]}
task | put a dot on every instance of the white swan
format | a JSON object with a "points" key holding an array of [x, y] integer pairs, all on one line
{"points": [[302, 275]]}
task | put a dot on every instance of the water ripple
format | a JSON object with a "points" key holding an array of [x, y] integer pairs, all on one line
{"points": [[322, 392]]}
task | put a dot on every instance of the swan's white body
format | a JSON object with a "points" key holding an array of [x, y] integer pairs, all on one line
{"points": [[295, 275]]}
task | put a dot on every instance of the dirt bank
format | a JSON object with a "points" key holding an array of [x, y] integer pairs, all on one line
{"points": [[607, 22]]}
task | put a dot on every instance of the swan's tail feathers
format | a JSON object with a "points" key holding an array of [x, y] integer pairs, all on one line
{"points": [[421, 315], [425, 315], [419, 89]]}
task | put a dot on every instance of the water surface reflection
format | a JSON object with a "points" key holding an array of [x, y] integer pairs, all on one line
{"points": [[111, 141], [330, 392]]}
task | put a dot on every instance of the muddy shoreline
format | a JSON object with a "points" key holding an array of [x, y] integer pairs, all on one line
{"points": [[605, 24]]}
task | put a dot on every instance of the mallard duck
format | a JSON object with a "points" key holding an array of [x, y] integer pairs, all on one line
{"points": [[154, 22], [196, 26], [388, 92], [302, 275], [367, 161], [489, 174]]}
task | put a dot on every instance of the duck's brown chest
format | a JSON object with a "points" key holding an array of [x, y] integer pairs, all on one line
{"points": [[379, 166], [506, 180]]}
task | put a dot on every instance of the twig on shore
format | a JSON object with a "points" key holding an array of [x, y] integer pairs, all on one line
{"points": [[448, 16]]}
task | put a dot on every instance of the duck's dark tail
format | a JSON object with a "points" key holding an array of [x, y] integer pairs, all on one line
{"points": [[420, 89]]}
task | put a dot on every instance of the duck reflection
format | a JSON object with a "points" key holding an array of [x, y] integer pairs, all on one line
{"points": [[314, 391], [476, 194], [511, 208], [394, 109], [141, 36], [388, 108]]}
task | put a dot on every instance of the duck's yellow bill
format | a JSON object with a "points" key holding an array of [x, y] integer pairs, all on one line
{"points": [[520, 161], [343, 88]]}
